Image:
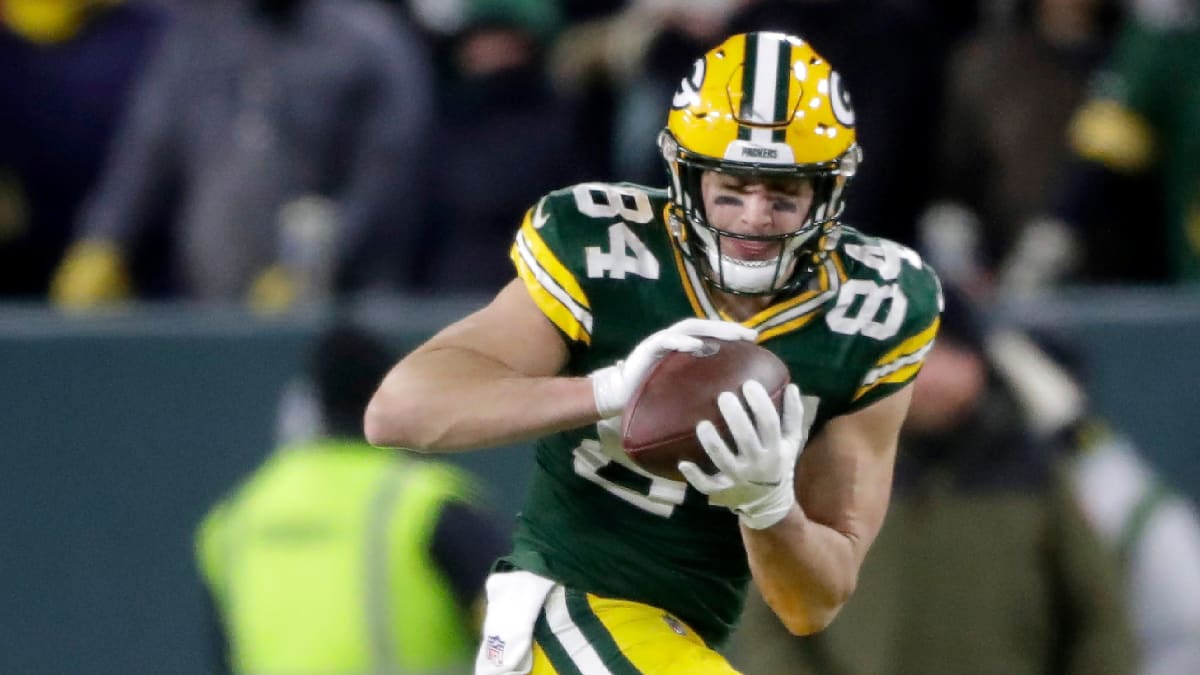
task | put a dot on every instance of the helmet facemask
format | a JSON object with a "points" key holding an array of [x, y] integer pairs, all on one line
{"points": [[800, 252]]}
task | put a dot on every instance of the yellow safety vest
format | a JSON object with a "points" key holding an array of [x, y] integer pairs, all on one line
{"points": [[320, 563]]}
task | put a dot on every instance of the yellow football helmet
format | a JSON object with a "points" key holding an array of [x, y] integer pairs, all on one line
{"points": [[761, 104]]}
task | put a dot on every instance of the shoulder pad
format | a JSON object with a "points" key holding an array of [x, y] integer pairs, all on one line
{"points": [[555, 252], [892, 297]]}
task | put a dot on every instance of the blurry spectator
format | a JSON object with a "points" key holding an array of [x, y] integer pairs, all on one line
{"points": [[1154, 529], [985, 563], [892, 57], [1141, 121], [592, 59], [66, 67], [638, 53], [677, 29], [503, 138], [275, 131], [956, 18], [586, 10], [338, 557], [1010, 93]]}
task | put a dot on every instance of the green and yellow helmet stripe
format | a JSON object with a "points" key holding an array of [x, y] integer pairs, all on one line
{"points": [[783, 83], [748, 79], [762, 91], [766, 82]]}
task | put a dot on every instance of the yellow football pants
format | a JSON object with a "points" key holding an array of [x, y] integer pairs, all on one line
{"points": [[579, 633]]}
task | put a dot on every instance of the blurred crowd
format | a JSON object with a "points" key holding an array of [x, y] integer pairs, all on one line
{"points": [[1025, 535], [284, 151]]}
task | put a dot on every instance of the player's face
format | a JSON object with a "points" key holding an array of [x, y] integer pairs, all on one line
{"points": [[755, 206]]}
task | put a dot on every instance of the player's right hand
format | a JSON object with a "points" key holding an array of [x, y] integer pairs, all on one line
{"points": [[614, 385], [91, 273]]}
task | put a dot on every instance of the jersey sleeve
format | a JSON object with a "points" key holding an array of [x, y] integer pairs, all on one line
{"points": [[898, 360], [540, 254]]}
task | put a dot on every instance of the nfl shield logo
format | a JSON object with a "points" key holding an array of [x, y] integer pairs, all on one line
{"points": [[675, 625], [495, 650]]}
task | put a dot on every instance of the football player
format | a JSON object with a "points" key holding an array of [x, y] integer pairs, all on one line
{"points": [[617, 570]]}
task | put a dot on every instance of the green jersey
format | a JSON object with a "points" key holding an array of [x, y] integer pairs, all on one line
{"points": [[600, 262]]}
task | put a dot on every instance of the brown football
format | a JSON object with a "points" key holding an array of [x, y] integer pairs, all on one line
{"points": [[659, 426]]}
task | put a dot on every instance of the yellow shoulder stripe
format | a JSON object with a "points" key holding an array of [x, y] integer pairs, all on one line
{"points": [[550, 284], [786, 327], [899, 376], [801, 310], [546, 259], [554, 310], [775, 310], [901, 363], [912, 344]]}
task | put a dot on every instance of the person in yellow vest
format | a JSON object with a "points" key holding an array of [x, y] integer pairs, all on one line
{"points": [[336, 557]]}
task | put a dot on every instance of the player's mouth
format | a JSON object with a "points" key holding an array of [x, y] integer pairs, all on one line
{"points": [[745, 249]]}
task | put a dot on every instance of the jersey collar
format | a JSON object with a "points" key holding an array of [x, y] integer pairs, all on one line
{"points": [[781, 317]]}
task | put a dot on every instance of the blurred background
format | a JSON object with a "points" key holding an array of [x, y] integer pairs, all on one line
{"points": [[192, 191]]}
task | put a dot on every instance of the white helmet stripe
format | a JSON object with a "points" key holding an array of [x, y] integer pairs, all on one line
{"points": [[766, 82]]}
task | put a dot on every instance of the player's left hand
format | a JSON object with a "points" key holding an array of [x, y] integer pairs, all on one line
{"points": [[756, 481]]}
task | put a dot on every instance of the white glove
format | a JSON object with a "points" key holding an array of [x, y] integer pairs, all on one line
{"points": [[615, 384], [608, 432], [756, 482]]}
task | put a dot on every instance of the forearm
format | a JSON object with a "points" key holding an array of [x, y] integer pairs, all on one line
{"points": [[805, 570], [807, 564], [450, 398]]}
